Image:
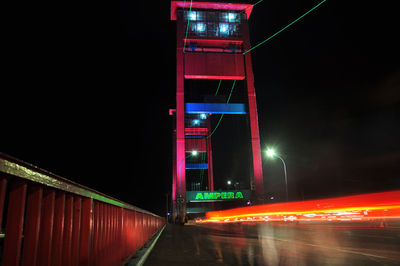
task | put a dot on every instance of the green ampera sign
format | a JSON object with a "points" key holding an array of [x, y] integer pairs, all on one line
{"points": [[217, 195]]}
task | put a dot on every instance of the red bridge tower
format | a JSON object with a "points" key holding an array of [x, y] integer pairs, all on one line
{"points": [[212, 38]]}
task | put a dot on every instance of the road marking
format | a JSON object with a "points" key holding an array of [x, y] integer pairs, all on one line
{"points": [[337, 249], [147, 253]]}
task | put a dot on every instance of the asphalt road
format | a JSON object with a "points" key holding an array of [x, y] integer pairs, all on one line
{"points": [[277, 244]]}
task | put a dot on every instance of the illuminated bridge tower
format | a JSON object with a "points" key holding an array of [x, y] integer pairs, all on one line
{"points": [[211, 40]]}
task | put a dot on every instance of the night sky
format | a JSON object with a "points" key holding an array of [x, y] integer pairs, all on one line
{"points": [[89, 101]]}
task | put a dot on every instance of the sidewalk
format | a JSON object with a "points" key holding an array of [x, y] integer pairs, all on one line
{"points": [[183, 245]]}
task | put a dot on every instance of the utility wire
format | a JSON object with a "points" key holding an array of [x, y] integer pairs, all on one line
{"points": [[187, 26], [257, 3], [219, 85], [203, 155], [284, 28], [219, 121]]}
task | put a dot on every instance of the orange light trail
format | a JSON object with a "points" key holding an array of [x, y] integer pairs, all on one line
{"points": [[363, 207]]}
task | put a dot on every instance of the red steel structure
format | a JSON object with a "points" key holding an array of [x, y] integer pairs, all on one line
{"points": [[53, 221], [211, 40]]}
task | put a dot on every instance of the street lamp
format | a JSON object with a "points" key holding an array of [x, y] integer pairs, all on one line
{"points": [[180, 200], [193, 153], [271, 153], [229, 183]]}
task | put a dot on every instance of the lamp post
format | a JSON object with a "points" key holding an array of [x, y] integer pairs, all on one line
{"points": [[193, 153], [180, 200], [271, 153]]}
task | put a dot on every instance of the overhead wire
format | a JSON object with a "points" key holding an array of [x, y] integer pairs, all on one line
{"points": [[284, 28], [245, 52], [252, 48], [219, 121], [187, 26], [219, 85], [257, 3]]}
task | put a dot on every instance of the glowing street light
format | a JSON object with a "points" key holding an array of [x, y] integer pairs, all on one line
{"points": [[271, 154], [193, 153]]}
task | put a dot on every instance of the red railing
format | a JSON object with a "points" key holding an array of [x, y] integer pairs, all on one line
{"points": [[49, 220]]}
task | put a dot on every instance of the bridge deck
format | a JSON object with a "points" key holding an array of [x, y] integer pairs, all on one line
{"points": [[276, 244], [182, 245]]}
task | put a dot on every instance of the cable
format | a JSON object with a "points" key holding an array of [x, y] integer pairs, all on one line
{"points": [[187, 26], [257, 3], [203, 156], [287, 26], [219, 121], [219, 85], [230, 94]]}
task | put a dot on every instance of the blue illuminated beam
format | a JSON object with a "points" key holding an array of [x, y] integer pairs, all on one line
{"points": [[215, 108], [197, 166]]}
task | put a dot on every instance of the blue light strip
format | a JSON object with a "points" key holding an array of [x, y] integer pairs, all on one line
{"points": [[194, 137], [215, 108], [197, 166]]}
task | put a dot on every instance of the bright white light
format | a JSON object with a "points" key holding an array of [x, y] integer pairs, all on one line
{"points": [[223, 28], [203, 116], [192, 15], [194, 152], [270, 153], [229, 182], [200, 27], [196, 122], [231, 17]]}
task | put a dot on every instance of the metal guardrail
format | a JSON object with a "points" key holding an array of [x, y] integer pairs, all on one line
{"points": [[49, 220]]}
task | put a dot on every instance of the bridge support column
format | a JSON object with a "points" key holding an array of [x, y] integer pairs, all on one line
{"points": [[255, 135], [209, 159], [180, 196]]}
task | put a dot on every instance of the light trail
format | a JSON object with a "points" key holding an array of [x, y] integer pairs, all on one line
{"points": [[363, 207]]}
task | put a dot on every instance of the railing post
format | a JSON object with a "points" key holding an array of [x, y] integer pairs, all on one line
{"points": [[46, 228], [120, 239], [135, 234], [58, 229], [139, 230], [68, 223], [96, 233], [76, 229], [32, 225], [3, 186], [123, 234], [112, 225], [86, 232], [107, 234], [15, 221], [102, 247]]}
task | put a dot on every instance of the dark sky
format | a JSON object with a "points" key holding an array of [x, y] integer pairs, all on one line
{"points": [[89, 101]]}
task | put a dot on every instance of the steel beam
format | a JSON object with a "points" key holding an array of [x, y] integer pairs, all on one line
{"points": [[215, 108], [255, 135]]}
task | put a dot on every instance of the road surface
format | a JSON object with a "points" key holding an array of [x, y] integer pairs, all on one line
{"points": [[277, 244]]}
